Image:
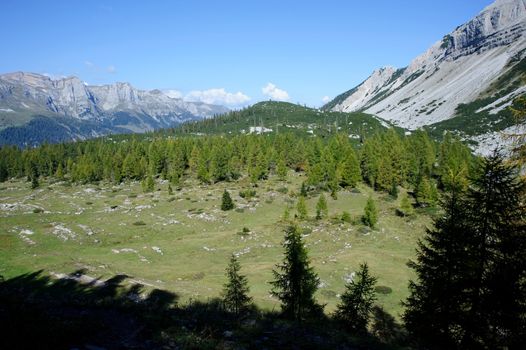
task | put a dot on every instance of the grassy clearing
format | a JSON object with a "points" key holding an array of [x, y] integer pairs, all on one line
{"points": [[181, 243]]}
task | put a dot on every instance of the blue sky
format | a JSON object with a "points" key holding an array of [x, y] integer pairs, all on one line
{"points": [[232, 52]]}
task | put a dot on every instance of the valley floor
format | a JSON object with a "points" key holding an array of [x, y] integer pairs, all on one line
{"points": [[181, 242]]}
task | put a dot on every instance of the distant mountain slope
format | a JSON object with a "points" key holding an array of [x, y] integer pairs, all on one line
{"points": [[35, 109], [278, 117], [482, 61]]}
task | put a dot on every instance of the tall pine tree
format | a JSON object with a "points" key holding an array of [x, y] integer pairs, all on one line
{"points": [[295, 281], [358, 300], [235, 291]]}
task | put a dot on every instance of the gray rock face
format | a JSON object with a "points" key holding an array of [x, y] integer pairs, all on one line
{"points": [[117, 106], [460, 68]]}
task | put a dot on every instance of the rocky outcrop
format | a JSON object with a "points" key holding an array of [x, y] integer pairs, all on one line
{"points": [[117, 107], [460, 68]]}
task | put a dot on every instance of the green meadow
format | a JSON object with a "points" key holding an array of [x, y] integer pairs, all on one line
{"points": [[182, 242]]}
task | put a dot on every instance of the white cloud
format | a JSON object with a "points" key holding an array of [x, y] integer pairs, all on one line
{"points": [[275, 93], [173, 93], [217, 96], [98, 69], [326, 99]]}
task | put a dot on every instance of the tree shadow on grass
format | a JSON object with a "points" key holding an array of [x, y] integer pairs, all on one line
{"points": [[78, 312]]}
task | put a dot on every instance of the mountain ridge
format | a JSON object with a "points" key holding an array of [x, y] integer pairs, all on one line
{"points": [[73, 104], [458, 69]]}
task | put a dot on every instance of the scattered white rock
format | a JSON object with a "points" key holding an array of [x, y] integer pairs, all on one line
{"points": [[158, 250]]}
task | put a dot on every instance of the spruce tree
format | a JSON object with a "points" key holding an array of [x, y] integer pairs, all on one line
{"points": [[471, 268], [321, 208], [235, 291], [301, 207], [34, 175], [436, 305], [497, 215], [370, 216], [295, 281], [357, 301], [226, 202]]}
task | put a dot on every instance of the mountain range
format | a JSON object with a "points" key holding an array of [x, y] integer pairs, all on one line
{"points": [[481, 64], [463, 83], [35, 108]]}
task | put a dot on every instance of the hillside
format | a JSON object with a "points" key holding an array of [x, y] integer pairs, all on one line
{"points": [[471, 75], [272, 117]]}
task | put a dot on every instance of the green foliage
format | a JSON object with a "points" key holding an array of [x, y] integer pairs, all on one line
{"points": [[303, 190], [286, 215], [426, 192], [346, 217], [247, 193], [34, 176], [470, 287], [357, 301], [301, 208], [406, 208], [282, 168], [393, 192], [148, 184], [322, 211], [226, 202], [235, 290], [295, 281], [370, 215], [350, 170]]}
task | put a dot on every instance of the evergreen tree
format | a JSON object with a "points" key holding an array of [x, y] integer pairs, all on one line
{"points": [[350, 173], [497, 226], [4, 174], [148, 184], [393, 192], [370, 216], [226, 202], [59, 174], [295, 281], [437, 301], [426, 192], [235, 291], [321, 208], [301, 207], [282, 168], [406, 208], [34, 175], [357, 301], [471, 269]]}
